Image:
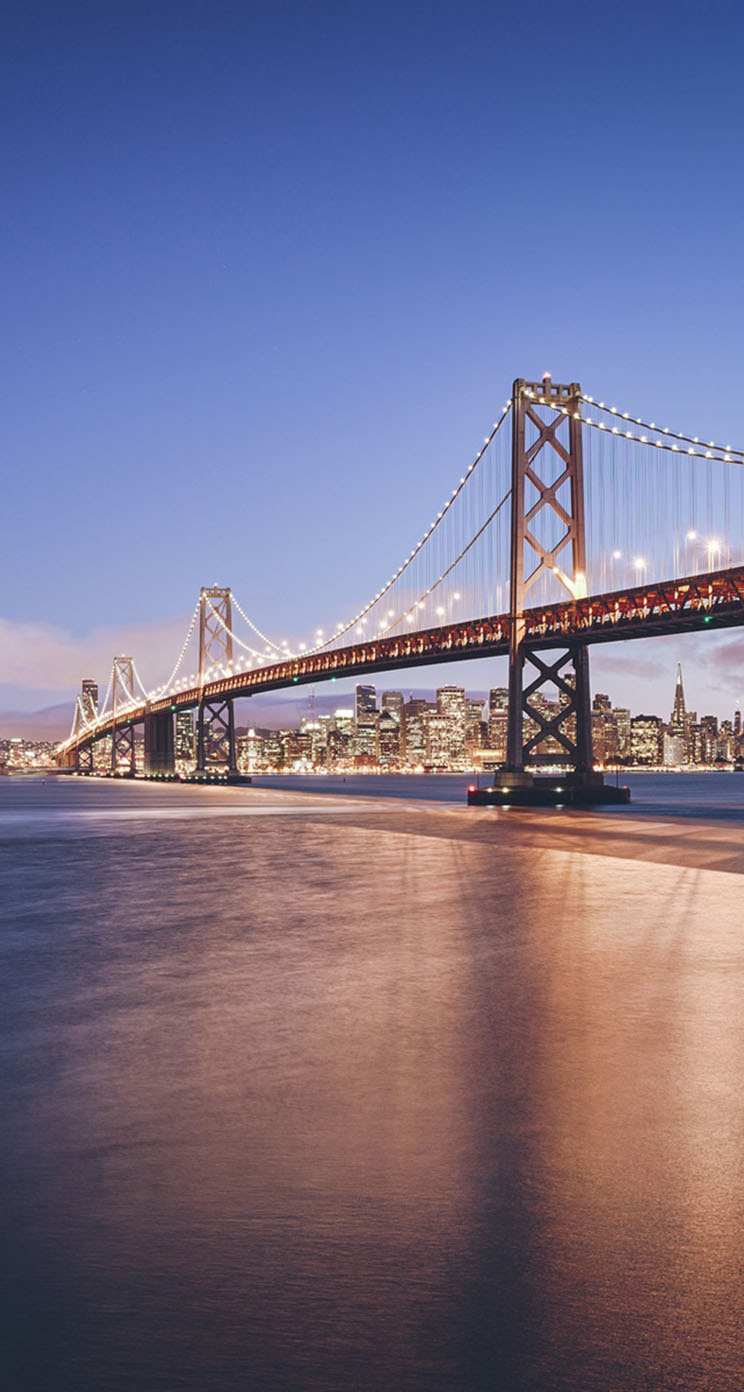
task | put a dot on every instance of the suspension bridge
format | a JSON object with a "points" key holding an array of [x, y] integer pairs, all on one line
{"points": [[575, 523]]}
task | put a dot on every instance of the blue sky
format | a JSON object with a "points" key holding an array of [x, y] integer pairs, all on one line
{"points": [[270, 269]]}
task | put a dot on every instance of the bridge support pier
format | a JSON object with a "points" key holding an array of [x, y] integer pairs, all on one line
{"points": [[122, 751], [159, 745], [547, 545], [215, 739], [84, 758]]}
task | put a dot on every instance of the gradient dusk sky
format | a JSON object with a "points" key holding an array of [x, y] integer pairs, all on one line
{"points": [[270, 269]]}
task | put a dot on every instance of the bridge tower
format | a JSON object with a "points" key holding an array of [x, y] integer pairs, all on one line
{"points": [[215, 730], [122, 695], [547, 537]]}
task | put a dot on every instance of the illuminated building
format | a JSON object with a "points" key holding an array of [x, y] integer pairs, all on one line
{"points": [[604, 730], [251, 752], [646, 740], [452, 707], [365, 724], [498, 718], [392, 701], [679, 723], [475, 728], [184, 750], [438, 742], [415, 734], [622, 727], [388, 735], [708, 739]]}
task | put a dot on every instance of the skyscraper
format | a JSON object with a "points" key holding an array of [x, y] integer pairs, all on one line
{"points": [[184, 736], [679, 724], [451, 704], [365, 722], [498, 717]]}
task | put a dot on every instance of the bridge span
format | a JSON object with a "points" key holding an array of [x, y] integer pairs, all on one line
{"points": [[547, 545]]}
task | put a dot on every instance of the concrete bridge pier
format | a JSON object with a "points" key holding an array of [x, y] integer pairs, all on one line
{"points": [[159, 745]]}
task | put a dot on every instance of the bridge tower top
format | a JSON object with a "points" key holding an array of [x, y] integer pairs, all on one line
{"points": [[215, 629], [122, 683]]}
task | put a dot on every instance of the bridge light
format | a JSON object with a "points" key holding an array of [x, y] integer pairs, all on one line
{"points": [[691, 536]]}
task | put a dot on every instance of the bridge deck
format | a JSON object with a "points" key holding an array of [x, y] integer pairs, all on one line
{"points": [[715, 600]]}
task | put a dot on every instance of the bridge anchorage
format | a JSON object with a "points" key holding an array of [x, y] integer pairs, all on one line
{"points": [[548, 535]]}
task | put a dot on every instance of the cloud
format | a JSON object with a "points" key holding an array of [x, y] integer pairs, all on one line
{"points": [[45, 659]]}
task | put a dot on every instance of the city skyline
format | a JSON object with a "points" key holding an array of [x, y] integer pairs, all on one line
{"points": [[274, 708], [374, 732]]}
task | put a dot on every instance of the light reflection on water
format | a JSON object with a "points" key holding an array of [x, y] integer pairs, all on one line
{"points": [[304, 1103]]}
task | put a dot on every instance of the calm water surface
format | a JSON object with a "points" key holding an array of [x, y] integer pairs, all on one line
{"points": [[363, 1092]]}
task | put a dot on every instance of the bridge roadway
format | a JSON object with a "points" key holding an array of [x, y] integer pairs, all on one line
{"points": [[714, 600]]}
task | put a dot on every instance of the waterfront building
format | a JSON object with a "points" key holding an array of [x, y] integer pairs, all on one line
{"points": [[451, 705], [415, 731], [251, 751], [676, 747], [680, 721], [726, 743], [621, 716], [343, 720], [365, 703], [708, 739], [498, 717], [646, 740], [274, 749], [365, 724], [184, 750], [388, 734], [604, 730], [438, 743], [318, 736], [392, 701], [476, 729]]}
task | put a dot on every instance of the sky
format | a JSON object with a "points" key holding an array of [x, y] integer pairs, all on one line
{"points": [[269, 270]]}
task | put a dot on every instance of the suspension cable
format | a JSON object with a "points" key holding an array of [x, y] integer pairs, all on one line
{"points": [[253, 651], [251, 624], [167, 685], [318, 647], [456, 561], [727, 452]]}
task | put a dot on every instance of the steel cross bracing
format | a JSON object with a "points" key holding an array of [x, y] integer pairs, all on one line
{"points": [[549, 467], [122, 700], [215, 742], [215, 730], [215, 629]]}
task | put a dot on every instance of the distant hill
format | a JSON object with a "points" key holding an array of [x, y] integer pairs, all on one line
{"points": [[274, 710], [51, 723]]}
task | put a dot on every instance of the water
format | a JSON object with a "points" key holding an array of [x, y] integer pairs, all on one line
{"points": [[351, 1092]]}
